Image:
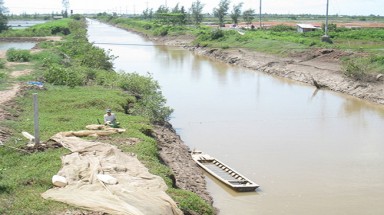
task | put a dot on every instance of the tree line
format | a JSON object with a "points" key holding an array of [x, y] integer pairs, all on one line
{"points": [[194, 15]]}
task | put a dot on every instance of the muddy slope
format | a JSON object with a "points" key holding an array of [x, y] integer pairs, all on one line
{"points": [[318, 67]]}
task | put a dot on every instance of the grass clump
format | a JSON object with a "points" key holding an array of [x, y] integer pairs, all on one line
{"points": [[15, 55], [191, 202]]}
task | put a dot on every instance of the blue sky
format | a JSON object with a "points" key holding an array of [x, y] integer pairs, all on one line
{"points": [[341, 7]]}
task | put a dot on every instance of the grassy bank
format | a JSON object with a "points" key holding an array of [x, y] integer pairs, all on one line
{"points": [[279, 40], [79, 84]]}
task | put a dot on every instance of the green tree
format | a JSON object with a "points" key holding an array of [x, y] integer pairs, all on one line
{"points": [[196, 11], [221, 11], [248, 16], [183, 16], [3, 17], [162, 9], [148, 13], [236, 13], [180, 15], [176, 9]]}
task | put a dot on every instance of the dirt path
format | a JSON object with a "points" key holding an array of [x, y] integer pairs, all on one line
{"points": [[6, 96]]}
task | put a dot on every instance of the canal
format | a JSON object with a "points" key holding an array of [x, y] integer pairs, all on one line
{"points": [[311, 152]]}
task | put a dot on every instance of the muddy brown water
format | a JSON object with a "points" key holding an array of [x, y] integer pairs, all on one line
{"points": [[310, 152]]}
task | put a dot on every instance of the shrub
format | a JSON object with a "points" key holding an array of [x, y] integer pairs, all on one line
{"points": [[282, 28], [147, 26], [107, 79], [15, 55], [58, 75], [162, 31], [356, 68], [216, 34], [151, 102], [47, 57]]}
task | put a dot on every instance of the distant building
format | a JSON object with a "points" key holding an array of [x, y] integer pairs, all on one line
{"points": [[58, 17], [301, 28]]}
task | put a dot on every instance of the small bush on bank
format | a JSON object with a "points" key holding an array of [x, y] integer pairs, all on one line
{"points": [[15, 55], [216, 34], [147, 90], [58, 75], [363, 68], [191, 203], [356, 68], [162, 31]]}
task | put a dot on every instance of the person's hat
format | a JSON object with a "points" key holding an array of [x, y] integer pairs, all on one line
{"points": [[109, 111]]}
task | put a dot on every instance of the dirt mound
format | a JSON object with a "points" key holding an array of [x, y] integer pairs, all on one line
{"points": [[328, 55]]}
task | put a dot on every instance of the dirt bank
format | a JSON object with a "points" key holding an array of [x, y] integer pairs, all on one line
{"points": [[176, 155], [318, 67]]}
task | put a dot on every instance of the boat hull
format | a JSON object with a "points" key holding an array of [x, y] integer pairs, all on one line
{"points": [[223, 172]]}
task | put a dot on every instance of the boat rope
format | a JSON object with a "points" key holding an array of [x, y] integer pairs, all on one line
{"points": [[264, 120]]}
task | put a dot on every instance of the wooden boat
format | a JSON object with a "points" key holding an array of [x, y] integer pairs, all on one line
{"points": [[223, 172]]}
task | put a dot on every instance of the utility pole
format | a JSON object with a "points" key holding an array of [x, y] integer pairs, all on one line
{"points": [[325, 37], [260, 15], [326, 20]]}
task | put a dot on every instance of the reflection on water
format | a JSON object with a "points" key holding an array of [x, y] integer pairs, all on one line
{"points": [[311, 152]]}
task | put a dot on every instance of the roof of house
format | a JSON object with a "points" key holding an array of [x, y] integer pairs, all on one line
{"points": [[306, 26]]}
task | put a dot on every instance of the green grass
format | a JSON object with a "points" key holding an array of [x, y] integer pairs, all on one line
{"points": [[54, 27], [63, 108], [25, 176]]}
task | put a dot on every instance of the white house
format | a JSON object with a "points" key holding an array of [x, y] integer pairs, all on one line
{"points": [[301, 28]]}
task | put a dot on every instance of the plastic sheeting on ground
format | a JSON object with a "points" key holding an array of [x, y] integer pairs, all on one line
{"points": [[137, 192]]}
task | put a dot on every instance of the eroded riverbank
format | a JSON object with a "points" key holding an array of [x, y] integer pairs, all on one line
{"points": [[318, 67]]}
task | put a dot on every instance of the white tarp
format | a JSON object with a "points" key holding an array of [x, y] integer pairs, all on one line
{"points": [[137, 192]]}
